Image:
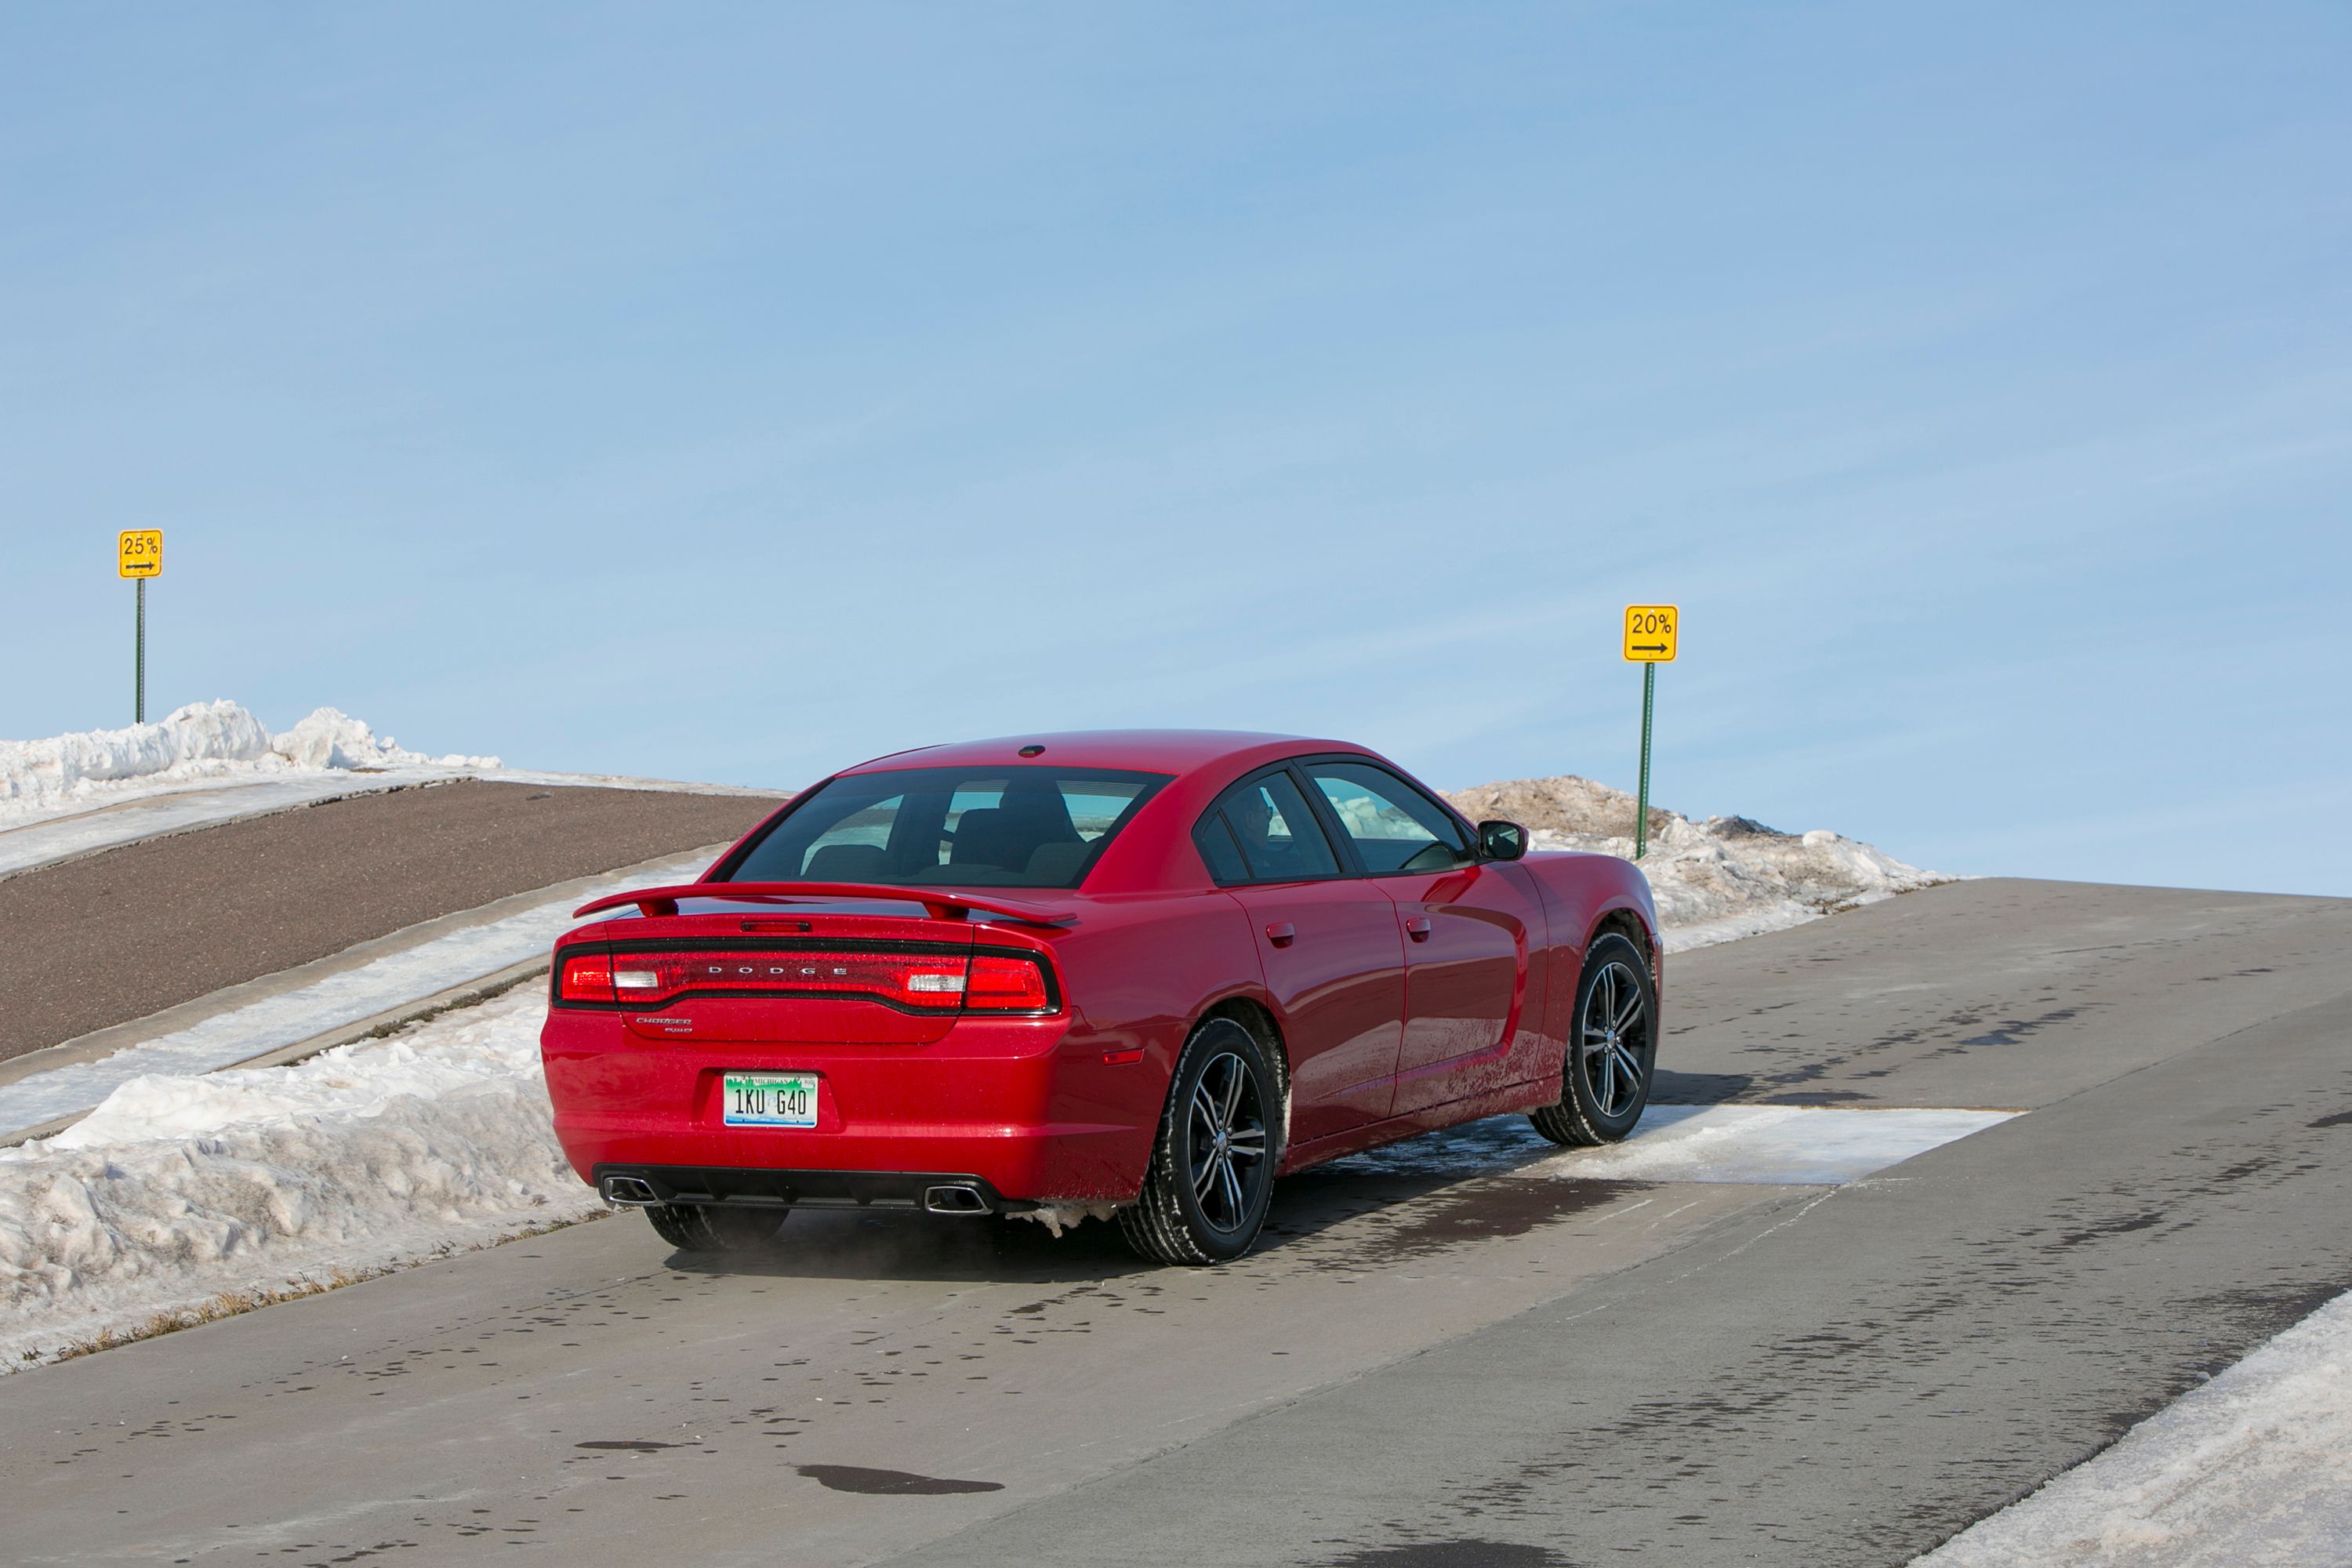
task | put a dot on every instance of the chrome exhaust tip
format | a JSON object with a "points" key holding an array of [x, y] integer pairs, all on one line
{"points": [[945, 1199], [628, 1192]]}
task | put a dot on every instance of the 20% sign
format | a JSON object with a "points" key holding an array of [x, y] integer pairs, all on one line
{"points": [[1651, 635]]}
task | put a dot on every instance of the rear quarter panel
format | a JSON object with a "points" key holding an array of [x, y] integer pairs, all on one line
{"points": [[1138, 970]]}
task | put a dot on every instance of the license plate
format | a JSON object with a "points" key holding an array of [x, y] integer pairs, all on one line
{"points": [[769, 1098]]}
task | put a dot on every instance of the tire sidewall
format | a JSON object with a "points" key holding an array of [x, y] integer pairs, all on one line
{"points": [[1608, 949]]}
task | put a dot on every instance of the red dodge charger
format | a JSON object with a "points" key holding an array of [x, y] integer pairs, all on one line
{"points": [[1146, 971]]}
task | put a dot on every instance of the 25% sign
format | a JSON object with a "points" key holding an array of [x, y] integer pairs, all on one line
{"points": [[139, 553], [1651, 633]]}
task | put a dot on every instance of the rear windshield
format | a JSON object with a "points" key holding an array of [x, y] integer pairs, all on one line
{"points": [[1003, 827]]}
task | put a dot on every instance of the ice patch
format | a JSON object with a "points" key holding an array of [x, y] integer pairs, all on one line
{"points": [[2255, 1468], [1792, 1145], [1771, 1145]]}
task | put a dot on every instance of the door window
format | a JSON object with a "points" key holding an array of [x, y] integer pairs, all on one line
{"points": [[1394, 828], [1270, 824]]}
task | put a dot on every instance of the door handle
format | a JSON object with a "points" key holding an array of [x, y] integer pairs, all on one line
{"points": [[1417, 928], [1282, 933]]}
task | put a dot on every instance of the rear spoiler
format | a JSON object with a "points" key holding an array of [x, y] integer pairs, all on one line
{"points": [[938, 904]]}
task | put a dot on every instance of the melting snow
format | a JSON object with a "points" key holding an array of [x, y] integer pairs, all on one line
{"points": [[201, 743], [2253, 1468], [1715, 880], [182, 1197], [331, 1001]]}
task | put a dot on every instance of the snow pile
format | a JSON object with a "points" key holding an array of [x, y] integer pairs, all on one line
{"points": [[2253, 1468], [182, 1198], [64, 767], [1724, 877], [200, 743], [330, 738]]}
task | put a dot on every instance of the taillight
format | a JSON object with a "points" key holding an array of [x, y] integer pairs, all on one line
{"points": [[925, 981], [1000, 984], [588, 977], [915, 982]]}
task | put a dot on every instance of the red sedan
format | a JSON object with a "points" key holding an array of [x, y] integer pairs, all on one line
{"points": [[1141, 971]]}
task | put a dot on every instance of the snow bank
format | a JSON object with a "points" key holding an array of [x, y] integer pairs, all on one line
{"points": [[2253, 1468], [1715, 880], [184, 1198], [201, 743]]}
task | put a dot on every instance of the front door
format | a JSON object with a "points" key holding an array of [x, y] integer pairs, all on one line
{"points": [[1472, 931]]}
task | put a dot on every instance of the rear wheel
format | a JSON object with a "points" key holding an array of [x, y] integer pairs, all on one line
{"points": [[711, 1228], [1612, 1050], [1212, 1176]]}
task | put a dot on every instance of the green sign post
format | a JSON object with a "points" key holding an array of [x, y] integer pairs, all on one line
{"points": [[1652, 632], [139, 556]]}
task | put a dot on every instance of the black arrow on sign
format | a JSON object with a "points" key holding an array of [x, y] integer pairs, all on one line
{"points": [[1649, 648]]}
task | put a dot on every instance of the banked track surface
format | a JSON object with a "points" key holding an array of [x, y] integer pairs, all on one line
{"points": [[1420, 1367]]}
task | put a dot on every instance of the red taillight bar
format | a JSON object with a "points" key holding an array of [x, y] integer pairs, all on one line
{"points": [[915, 982], [938, 903]]}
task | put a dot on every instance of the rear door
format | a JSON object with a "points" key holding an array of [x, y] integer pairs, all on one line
{"points": [[1329, 944], [1471, 930]]}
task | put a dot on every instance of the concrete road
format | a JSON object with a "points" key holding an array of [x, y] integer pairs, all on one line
{"points": [[1463, 1359]]}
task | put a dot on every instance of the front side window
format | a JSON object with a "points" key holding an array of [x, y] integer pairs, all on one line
{"points": [[1267, 821], [1018, 828], [1393, 827]]}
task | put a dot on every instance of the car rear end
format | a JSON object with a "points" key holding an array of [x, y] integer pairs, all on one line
{"points": [[766, 1037], [812, 1059]]}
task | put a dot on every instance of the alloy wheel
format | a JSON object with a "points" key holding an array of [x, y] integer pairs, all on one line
{"points": [[1226, 1132], [1613, 1034]]}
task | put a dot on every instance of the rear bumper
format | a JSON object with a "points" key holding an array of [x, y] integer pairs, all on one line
{"points": [[1026, 1110], [761, 1188]]}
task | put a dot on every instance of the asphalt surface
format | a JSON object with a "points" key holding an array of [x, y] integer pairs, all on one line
{"points": [[144, 926], [1430, 1364]]}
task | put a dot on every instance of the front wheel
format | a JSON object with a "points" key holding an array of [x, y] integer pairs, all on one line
{"points": [[712, 1227], [1212, 1176], [1613, 1049]]}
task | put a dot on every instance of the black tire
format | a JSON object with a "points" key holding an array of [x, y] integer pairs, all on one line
{"points": [[1206, 1198], [710, 1227], [1612, 1038]]}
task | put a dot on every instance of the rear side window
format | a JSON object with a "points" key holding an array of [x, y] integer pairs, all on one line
{"points": [[1392, 825], [1268, 824], [1013, 827]]}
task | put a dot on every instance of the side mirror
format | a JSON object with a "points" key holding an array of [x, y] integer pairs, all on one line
{"points": [[1501, 840]]}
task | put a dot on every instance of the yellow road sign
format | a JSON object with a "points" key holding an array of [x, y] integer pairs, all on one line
{"points": [[139, 552], [1650, 631]]}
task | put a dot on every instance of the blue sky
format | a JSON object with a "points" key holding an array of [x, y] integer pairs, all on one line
{"points": [[731, 393]]}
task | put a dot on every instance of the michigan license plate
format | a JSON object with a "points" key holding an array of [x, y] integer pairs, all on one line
{"points": [[769, 1098]]}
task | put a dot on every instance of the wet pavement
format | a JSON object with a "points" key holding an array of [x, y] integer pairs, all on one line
{"points": [[1465, 1349]]}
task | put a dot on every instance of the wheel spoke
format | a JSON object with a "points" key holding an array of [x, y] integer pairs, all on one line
{"points": [[1250, 1142], [1605, 1091], [1203, 1175], [1631, 1069], [1625, 1020], [1232, 1191], [1236, 1079], [1204, 1110]]}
